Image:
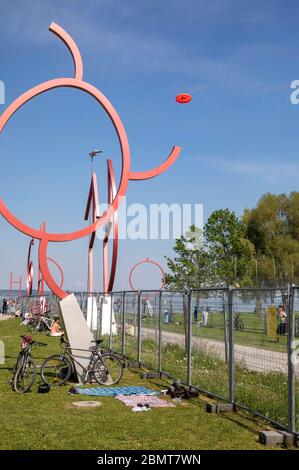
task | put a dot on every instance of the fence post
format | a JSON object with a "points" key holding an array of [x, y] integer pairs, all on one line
{"points": [[189, 340], [139, 327], [231, 365], [123, 321], [100, 319], [160, 333], [225, 327], [291, 369]]}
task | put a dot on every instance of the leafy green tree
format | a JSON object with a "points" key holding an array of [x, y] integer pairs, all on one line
{"points": [[230, 253], [188, 269], [273, 228]]}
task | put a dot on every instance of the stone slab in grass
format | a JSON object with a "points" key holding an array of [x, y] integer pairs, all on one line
{"points": [[86, 404]]}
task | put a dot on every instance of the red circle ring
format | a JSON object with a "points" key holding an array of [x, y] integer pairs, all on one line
{"points": [[147, 260]]}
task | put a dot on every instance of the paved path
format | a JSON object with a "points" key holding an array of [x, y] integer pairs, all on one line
{"points": [[5, 317], [255, 359]]}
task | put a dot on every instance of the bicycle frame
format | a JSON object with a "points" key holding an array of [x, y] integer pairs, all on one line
{"points": [[86, 371]]}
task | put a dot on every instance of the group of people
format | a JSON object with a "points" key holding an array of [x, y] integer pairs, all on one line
{"points": [[204, 315], [10, 307], [55, 328]]}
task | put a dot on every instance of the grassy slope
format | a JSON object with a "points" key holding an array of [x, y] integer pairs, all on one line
{"points": [[36, 421]]}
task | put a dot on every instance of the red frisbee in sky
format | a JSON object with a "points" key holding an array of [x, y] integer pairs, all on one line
{"points": [[183, 98]]}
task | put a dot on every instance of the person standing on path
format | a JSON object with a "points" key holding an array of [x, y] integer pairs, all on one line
{"points": [[4, 307], [205, 316]]}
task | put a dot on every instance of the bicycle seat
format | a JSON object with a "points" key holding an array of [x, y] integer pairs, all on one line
{"points": [[97, 341]]}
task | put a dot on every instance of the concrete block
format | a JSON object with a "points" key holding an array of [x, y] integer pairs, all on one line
{"points": [[108, 316], [288, 438], [225, 407], [149, 375], [270, 438], [92, 313], [211, 408]]}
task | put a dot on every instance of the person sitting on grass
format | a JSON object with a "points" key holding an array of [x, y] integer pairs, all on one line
{"points": [[56, 328]]}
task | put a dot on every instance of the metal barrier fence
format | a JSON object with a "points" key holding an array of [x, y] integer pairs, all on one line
{"points": [[234, 344]]}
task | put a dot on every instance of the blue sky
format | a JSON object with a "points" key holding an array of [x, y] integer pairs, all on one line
{"points": [[239, 134]]}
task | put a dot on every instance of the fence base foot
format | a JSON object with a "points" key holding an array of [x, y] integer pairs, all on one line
{"points": [[134, 364], [150, 375], [274, 438], [219, 407]]}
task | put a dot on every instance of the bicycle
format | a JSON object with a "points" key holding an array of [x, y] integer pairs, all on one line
{"points": [[105, 368], [238, 323], [24, 372], [40, 324]]}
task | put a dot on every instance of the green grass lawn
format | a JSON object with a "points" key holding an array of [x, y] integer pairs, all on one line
{"points": [[49, 421], [264, 392]]}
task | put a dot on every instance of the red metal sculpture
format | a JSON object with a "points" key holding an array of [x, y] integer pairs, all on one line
{"points": [[115, 196], [30, 271], [12, 283], [147, 260]]}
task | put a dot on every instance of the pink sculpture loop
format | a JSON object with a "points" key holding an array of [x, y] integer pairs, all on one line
{"points": [[115, 196], [147, 260], [29, 276]]}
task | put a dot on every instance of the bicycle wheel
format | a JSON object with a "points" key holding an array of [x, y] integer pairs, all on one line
{"points": [[108, 370], [56, 370], [25, 376]]}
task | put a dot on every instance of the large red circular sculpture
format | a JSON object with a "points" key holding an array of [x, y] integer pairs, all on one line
{"points": [[115, 195], [150, 261]]}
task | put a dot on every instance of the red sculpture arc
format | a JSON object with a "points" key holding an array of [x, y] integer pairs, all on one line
{"points": [[115, 196], [30, 272], [147, 260]]}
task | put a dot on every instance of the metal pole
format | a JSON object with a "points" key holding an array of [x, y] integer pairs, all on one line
{"points": [[123, 337], [101, 317], [98, 315], [160, 333], [225, 328], [291, 368], [139, 327], [231, 347], [189, 340]]}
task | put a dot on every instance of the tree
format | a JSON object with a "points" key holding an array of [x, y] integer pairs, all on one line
{"points": [[230, 253], [273, 228], [188, 270]]}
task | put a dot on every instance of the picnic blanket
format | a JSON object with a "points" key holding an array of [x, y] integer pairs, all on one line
{"points": [[114, 391], [152, 401]]}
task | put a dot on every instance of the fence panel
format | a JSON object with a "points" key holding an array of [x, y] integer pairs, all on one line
{"points": [[149, 323], [295, 355], [209, 316], [172, 356], [260, 354], [130, 344], [117, 321]]}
